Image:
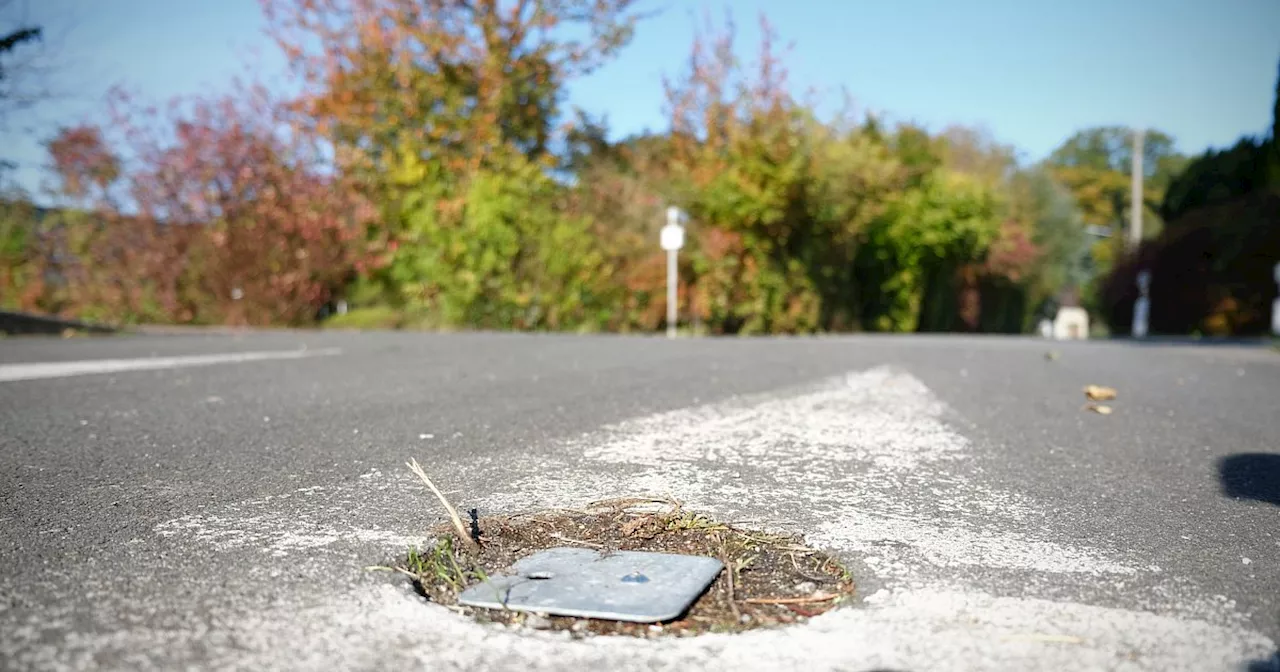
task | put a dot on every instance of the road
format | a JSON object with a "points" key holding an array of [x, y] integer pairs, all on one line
{"points": [[164, 512]]}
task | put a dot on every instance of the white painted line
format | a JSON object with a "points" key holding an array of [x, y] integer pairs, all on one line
{"points": [[13, 372], [865, 464]]}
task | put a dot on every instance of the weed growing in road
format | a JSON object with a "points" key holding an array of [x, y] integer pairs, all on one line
{"points": [[442, 565]]}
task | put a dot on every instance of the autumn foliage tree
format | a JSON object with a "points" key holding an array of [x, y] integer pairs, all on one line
{"points": [[780, 199], [82, 162], [453, 79], [223, 218], [444, 110], [427, 169]]}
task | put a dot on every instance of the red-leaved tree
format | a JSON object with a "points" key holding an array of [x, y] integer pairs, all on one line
{"points": [[222, 216]]}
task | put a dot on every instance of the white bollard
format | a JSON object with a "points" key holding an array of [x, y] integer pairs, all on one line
{"points": [[1275, 305], [1142, 307]]}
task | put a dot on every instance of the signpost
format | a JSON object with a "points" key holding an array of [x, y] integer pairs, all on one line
{"points": [[672, 239], [1142, 308]]}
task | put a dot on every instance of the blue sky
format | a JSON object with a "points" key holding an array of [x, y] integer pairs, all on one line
{"points": [[1029, 72]]}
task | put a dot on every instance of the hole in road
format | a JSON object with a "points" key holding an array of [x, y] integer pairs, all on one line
{"points": [[764, 579]]}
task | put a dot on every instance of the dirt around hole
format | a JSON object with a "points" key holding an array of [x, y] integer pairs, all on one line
{"points": [[767, 580]]}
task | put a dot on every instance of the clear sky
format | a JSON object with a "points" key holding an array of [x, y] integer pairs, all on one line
{"points": [[1031, 72]]}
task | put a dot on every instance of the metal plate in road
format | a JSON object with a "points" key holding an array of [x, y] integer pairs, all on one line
{"points": [[632, 586]]}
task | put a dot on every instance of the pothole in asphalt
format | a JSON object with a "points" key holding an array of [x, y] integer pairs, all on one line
{"points": [[757, 579]]}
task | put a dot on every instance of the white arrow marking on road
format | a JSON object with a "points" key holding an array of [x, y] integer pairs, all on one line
{"points": [[13, 372], [957, 569]]}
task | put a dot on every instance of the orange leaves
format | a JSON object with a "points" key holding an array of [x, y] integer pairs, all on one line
{"points": [[82, 160], [220, 199], [480, 72], [718, 243], [1013, 254]]}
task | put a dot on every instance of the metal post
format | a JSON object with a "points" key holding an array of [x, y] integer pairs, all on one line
{"points": [[671, 293], [1142, 307], [1275, 305], [1135, 199]]}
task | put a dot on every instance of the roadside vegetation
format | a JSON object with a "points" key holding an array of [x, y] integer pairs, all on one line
{"points": [[430, 175]]}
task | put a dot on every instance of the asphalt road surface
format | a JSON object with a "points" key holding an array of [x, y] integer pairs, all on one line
{"points": [[213, 501]]}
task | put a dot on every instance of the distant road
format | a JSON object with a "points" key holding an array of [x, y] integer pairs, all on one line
{"points": [[212, 501]]}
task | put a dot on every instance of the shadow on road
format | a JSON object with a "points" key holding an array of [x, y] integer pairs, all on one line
{"points": [[1204, 342], [1271, 664], [1251, 476]]}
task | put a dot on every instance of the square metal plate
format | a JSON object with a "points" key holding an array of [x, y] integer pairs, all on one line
{"points": [[633, 586]]}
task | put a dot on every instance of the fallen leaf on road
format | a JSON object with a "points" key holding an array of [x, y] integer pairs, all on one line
{"points": [[1100, 409], [1099, 393], [1052, 355]]}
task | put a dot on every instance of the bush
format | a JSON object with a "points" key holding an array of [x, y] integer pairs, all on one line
{"points": [[1211, 274], [374, 317]]}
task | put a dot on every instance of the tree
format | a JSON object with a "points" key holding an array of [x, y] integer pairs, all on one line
{"points": [[431, 105], [457, 80], [1096, 164], [1273, 179], [975, 152], [228, 219], [1221, 176], [1057, 229], [1096, 161], [21, 259], [82, 162], [1212, 267], [782, 201], [1217, 177], [13, 93], [1275, 117]]}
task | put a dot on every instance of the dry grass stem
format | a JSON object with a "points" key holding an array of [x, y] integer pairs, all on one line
{"points": [[806, 575], [620, 504], [453, 513], [580, 542], [820, 597], [729, 571]]}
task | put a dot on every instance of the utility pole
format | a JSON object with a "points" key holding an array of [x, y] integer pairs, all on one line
{"points": [[1135, 200]]}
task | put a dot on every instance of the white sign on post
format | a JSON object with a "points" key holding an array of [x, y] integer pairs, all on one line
{"points": [[672, 236]]}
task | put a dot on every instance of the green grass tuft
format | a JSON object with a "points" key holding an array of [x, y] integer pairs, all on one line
{"points": [[439, 565]]}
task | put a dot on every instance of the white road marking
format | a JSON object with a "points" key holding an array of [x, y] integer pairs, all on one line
{"points": [[14, 372], [865, 465]]}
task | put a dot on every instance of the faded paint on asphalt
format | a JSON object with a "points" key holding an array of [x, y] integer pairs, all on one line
{"points": [[869, 460], [36, 371]]}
